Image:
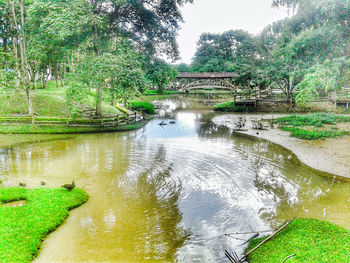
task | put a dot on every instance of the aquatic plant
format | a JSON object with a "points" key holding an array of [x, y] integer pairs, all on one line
{"points": [[314, 134], [317, 119]]}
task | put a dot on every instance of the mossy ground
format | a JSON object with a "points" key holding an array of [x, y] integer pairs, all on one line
{"points": [[310, 239], [22, 229]]}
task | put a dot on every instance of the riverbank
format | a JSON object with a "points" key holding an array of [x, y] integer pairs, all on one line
{"points": [[330, 155], [308, 240], [23, 226], [64, 129]]}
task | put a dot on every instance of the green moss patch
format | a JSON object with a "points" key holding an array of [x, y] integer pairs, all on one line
{"points": [[23, 228], [311, 240]]}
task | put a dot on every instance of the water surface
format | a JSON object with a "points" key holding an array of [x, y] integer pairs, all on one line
{"points": [[171, 193]]}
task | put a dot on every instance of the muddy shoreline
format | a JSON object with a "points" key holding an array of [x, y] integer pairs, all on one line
{"points": [[330, 156]]}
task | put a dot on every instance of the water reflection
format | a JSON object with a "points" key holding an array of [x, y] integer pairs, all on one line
{"points": [[170, 193]]}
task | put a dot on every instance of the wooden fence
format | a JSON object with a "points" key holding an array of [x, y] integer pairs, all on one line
{"points": [[49, 121]]}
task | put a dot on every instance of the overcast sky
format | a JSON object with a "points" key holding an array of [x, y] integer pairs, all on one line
{"points": [[217, 16]]}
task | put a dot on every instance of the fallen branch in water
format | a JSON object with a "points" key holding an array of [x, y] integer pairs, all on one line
{"points": [[267, 239], [234, 258]]}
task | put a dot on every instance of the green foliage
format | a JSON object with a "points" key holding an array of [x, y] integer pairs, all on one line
{"points": [[23, 228], [316, 120], [322, 78], [160, 74], [166, 92], [311, 240], [145, 107], [231, 107], [314, 134]]}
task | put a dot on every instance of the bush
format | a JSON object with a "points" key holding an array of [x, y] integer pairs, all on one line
{"points": [[145, 107]]}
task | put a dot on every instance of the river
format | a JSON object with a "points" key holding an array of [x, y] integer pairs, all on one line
{"points": [[171, 193]]}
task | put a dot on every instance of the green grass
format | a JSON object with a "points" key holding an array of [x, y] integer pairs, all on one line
{"points": [[47, 102], [62, 129], [166, 92], [314, 134], [143, 106], [311, 240], [231, 107], [295, 123], [22, 229], [317, 120]]}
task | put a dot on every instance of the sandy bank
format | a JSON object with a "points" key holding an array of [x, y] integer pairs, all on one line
{"points": [[331, 155]]}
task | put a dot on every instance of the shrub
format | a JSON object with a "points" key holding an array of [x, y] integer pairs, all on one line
{"points": [[145, 107]]}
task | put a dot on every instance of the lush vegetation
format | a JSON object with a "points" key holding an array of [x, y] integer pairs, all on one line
{"points": [[314, 134], [311, 240], [317, 120], [143, 106], [231, 107], [304, 56], [166, 92], [23, 228], [311, 126], [90, 54]]}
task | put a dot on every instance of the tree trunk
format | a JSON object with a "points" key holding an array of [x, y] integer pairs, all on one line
{"points": [[29, 101], [56, 75], [113, 102], [98, 101]]}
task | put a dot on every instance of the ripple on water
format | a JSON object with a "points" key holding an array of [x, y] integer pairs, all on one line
{"points": [[171, 193]]}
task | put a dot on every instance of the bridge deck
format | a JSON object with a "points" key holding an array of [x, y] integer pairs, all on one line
{"points": [[207, 75]]}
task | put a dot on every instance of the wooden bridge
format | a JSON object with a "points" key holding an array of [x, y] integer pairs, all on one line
{"points": [[187, 81]]}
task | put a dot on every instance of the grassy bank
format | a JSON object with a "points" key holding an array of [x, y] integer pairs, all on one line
{"points": [[231, 107], [22, 229], [311, 240], [62, 129], [48, 102], [166, 92], [317, 126]]}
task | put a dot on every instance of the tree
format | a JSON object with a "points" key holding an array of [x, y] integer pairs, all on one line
{"points": [[160, 74], [322, 78]]}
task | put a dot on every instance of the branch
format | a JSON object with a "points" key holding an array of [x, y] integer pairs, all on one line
{"points": [[288, 257], [267, 239]]}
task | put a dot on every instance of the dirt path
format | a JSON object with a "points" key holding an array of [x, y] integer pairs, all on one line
{"points": [[331, 155]]}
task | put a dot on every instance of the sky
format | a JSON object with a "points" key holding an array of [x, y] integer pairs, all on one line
{"points": [[217, 16]]}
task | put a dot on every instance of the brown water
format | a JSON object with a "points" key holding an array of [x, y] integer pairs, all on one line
{"points": [[170, 193]]}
